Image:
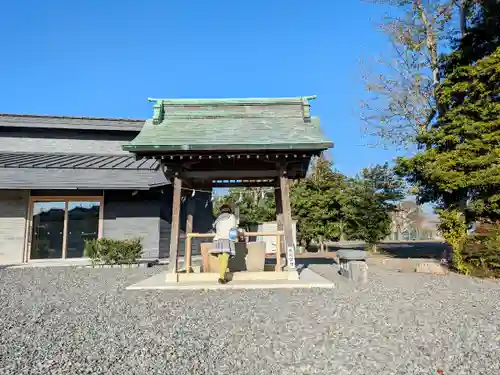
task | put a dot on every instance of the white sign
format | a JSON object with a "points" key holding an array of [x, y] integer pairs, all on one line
{"points": [[290, 254]]}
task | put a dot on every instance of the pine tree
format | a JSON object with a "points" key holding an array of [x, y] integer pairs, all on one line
{"points": [[459, 167], [316, 205], [368, 201]]}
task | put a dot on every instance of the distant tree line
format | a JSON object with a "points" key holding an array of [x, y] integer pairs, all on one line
{"points": [[327, 205]]}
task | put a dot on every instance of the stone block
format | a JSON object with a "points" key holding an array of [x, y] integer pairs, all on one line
{"points": [[255, 256], [355, 270], [196, 269], [351, 254], [433, 268], [249, 256]]}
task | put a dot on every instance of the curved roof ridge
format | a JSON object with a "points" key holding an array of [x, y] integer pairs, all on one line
{"points": [[233, 101]]}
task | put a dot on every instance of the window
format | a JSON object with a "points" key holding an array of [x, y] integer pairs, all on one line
{"points": [[60, 226]]}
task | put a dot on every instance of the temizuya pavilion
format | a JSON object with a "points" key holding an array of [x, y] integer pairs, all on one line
{"points": [[207, 143]]}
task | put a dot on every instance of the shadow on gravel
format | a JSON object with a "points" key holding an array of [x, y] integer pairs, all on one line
{"points": [[306, 262], [403, 249], [334, 248], [397, 250], [302, 263], [407, 249], [426, 250]]}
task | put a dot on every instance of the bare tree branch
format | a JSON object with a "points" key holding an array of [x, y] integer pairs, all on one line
{"points": [[402, 89]]}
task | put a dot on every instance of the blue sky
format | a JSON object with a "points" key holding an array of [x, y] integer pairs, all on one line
{"points": [[104, 58]]}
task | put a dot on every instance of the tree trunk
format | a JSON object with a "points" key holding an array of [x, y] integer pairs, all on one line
{"points": [[430, 42], [464, 7], [432, 47]]}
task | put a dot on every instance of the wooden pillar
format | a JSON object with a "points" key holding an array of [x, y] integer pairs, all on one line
{"points": [[279, 225], [175, 226], [237, 214], [287, 220], [189, 229], [190, 215], [279, 208]]}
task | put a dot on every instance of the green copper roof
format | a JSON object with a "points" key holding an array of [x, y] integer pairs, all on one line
{"points": [[230, 124]]}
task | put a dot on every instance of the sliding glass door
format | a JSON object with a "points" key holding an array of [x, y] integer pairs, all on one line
{"points": [[83, 224], [48, 230], [59, 227]]}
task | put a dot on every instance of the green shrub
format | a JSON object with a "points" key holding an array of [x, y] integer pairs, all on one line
{"points": [[110, 251], [482, 253], [454, 229]]}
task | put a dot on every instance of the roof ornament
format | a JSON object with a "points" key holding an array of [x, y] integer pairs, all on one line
{"points": [[158, 111], [306, 106]]}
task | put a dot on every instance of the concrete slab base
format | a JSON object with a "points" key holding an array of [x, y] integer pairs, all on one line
{"points": [[182, 276], [307, 279]]}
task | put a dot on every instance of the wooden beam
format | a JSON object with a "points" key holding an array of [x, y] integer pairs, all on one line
{"points": [[176, 159], [175, 226], [187, 184], [221, 155], [231, 174], [287, 220], [242, 183], [246, 234]]}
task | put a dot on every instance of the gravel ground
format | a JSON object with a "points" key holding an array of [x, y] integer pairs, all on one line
{"points": [[82, 321]]}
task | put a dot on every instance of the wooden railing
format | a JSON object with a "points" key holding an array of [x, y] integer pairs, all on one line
{"points": [[190, 236]]}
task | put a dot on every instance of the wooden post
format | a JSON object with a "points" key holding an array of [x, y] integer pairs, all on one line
{"points": [[187, 253], [279, 226], [277, 268], [189, 229], [279, 208], [237, 214], [175, 227], [287, 220]]}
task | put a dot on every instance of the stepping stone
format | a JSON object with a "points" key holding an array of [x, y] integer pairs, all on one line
{"points": [[432, 268]]}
